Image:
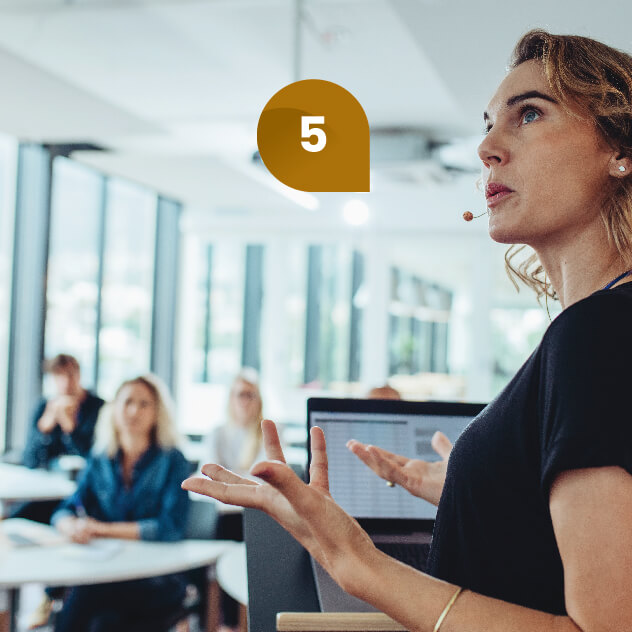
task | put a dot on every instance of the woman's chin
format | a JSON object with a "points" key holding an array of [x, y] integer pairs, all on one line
{"points": [[503, 234]]}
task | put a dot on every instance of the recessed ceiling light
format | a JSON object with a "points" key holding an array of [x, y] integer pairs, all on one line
{"points": [[355, 212]]}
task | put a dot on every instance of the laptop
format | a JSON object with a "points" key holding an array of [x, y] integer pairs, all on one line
{"points": [[398, 522]]}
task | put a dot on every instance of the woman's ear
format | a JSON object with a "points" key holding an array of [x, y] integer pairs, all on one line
{"points": [[620, 166]]}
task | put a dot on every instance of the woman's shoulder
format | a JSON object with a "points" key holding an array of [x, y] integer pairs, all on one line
{"points": [[596, 325], [601, 311]]}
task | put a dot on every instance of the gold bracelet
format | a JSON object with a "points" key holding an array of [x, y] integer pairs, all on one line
{"points": [[449, 605]]}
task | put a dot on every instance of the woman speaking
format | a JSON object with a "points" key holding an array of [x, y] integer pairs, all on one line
{"points": [[534, 521]]}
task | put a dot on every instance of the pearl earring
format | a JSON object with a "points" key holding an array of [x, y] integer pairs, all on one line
{"points": [[621, 168]]}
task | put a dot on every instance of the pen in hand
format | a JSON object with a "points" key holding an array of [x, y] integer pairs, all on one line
{"points": [[81, 511]]}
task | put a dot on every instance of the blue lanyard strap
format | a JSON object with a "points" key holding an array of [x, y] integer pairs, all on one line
{"points": [[622, 276]]}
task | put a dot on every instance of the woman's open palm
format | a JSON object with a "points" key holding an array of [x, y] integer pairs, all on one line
{"points": [[421, 478], [308, 512]]}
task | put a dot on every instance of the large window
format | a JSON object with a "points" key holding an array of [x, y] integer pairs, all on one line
{"points": [[85, 280], [221, 292], [516, 333], [128, 279], [328, 323], [8, 163], [295, 303], [100, 285], [419, 313], [73, 264]]}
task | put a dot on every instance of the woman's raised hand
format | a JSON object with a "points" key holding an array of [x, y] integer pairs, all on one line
{"points": [[308, 512], [421, 478]]}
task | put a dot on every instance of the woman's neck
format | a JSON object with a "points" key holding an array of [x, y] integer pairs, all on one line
{"points": [[133, 447], [583, 266]]}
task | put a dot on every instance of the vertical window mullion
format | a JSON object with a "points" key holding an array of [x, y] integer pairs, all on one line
{"points": [[253, 295], [101, 247], [312, 316], [207, 313]]}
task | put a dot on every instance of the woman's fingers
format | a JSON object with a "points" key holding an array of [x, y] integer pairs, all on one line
{"points": [[391, 457], [300, 495], [372, 451], [441, 445], [271, 441], [319, 467], [362, 452], [385, 464], [305, 500], [221, 474], [242, 494]]}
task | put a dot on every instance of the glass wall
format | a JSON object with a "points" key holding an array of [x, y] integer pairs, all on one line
{"points": [[318, 301], [219, 321], [73, 264], [128, 280], [516, 333], [8, 165], [295, 307], [328, 326], [100, 282], [419, 314]]}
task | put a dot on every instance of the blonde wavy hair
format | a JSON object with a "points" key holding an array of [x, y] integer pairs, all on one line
{"points": [[252, 445], [165, 434], [593, 81]]}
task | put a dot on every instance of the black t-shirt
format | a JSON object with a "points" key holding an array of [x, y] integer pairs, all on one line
{"points": [[568, 407]]}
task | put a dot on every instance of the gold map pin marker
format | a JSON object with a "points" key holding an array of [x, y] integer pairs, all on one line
{"points": [[313, 135]]}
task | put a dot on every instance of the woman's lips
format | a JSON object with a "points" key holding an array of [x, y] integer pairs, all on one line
{"points": [[496, 198], [495, 192]]}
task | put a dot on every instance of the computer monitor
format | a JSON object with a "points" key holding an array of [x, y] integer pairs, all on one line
{"points": [[402, 427]]}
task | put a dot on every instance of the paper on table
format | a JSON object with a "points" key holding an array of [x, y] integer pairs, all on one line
{"points": [[19, 533], [100, 549]]}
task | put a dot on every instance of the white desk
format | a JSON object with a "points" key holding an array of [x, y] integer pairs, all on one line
{"points": [[19, 483], [66, 564], [232, 573]]}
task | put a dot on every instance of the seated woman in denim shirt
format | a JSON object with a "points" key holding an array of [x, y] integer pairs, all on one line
{"points": [[130, 489]]}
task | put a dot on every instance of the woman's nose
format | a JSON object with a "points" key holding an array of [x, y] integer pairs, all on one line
{"points": [[493, 149]]}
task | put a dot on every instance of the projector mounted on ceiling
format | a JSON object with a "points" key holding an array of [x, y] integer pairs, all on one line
{"points": [[409, 156]]}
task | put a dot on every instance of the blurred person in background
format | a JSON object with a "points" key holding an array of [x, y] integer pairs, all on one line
{"points": [[237, 444], [130, 489], [383, 392], [61, 425]]}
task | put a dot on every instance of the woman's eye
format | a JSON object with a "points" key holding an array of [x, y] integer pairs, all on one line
{"points": [[528, 116]]}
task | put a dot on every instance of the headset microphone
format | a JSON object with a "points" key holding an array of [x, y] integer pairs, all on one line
{"points": [[469, 216]]}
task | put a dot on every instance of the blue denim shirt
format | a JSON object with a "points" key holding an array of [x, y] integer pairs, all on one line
{"points": [[154, 499]]}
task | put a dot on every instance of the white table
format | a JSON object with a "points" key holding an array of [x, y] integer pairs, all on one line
{"points": [[19, 483], [232, 573], [232, 576], [60, 563]]}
